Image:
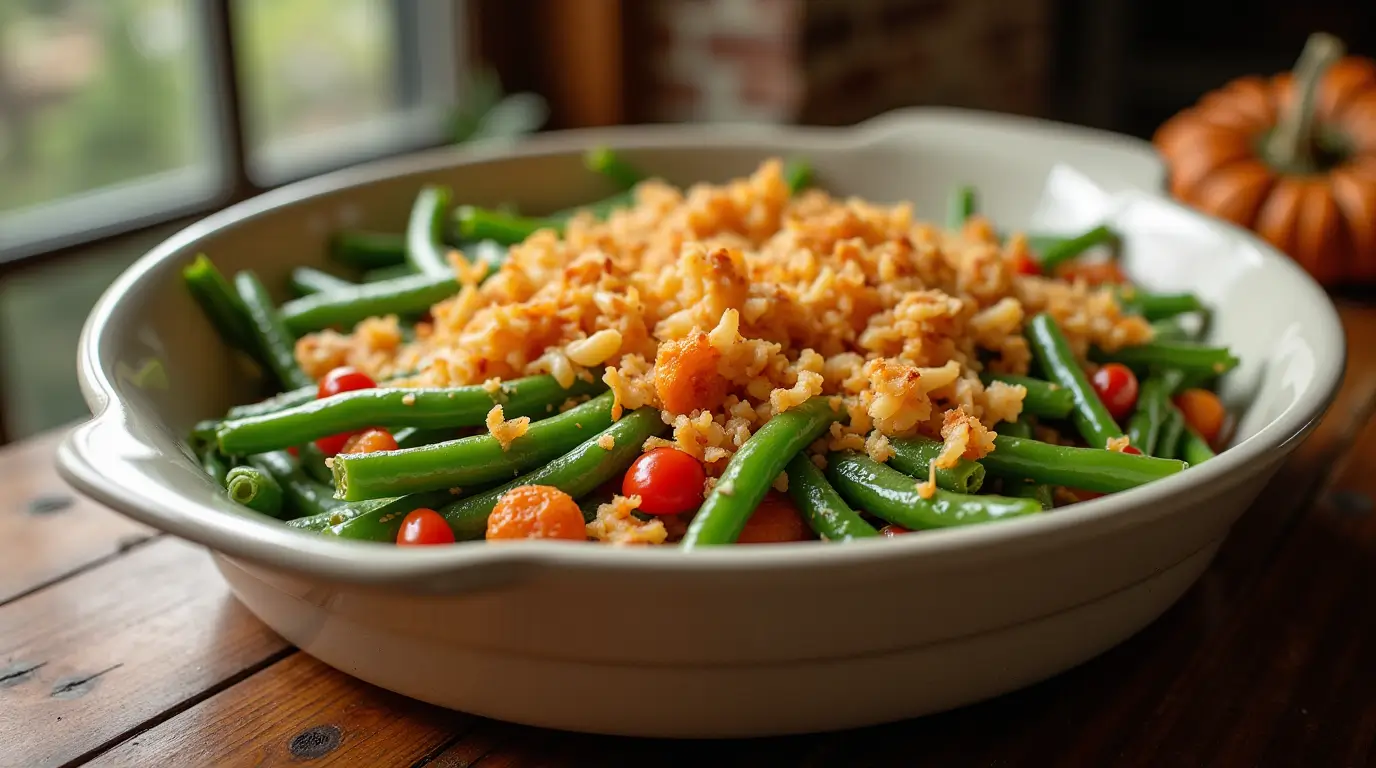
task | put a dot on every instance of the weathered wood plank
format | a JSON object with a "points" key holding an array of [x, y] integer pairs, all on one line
{"points": [[47, 531], [297, 710], [120, 645]]}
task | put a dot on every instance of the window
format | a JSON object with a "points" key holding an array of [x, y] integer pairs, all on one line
{"points": [[123, 115], [120, 113]]}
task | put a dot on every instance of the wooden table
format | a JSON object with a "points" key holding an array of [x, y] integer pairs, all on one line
{"points": [[119, 646]]}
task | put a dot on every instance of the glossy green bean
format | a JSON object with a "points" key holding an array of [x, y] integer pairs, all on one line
{"points": [[395, 407], [254, 489], [425, 248], [275, 403], [1194, 449], [1056, 254], [1028, 489], [375, 519], [1044, 398], [1091, 469], [960, 207], [482, 224], [391, 272], [303, 495], [1159, 306], [468, 461], [1169, 329], [576, 473], [308, 280], [368, 250], [1020, 428], [826, 513], [1168, 444], [607, 162], [1153, 403], [913, 456], [1191, 358], [891, 495], [214, 465], [1053, 354], [752, 470], [220, 303], [409, 295], [272, 338]]}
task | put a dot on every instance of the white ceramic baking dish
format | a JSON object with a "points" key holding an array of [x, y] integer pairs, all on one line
{"points": [[733, 641]]}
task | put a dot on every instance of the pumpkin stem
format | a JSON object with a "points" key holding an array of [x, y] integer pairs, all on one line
{"points": [[1291, 146]]}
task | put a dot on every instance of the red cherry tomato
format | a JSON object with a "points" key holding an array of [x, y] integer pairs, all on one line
{"points": [[294, 452], [1117, 388], [893, 530], [334, 444], [344, 379], [1133, 450], [370, 440], [1024, 264], [667, 480], [424, 526]]}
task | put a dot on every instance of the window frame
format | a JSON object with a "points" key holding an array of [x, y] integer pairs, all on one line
{"points": [[228, 173]]}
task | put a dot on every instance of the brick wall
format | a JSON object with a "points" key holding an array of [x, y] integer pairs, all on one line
{"points": [[840, 61]]}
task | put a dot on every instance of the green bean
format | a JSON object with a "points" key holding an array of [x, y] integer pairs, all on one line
{"points": [[221, 305], [313, 462], [275, 403], [482, 224], [1021, 487], [391, 272], [303, 495], [272, 337], [1043, 398], [425, 248], [797, 175], [913, 456], [1159, 306], [576, 473], [368, 250], [1052, 352], [1194, 449], [1020, 428], [1027, 489], [307, 280], [1194, 359], [396, 407], [891, 495], [608, 163], [961, 206], [414, 437], [1169, 329], [377, 519], [1091, 469], [752, 470], [214, 465], [1153, 403], [410, 295], [254, 489], [822, 507], [1168, 444], [1058, 253], [468, 461], [489, 252]]}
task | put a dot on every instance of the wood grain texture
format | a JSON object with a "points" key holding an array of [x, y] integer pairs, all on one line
{"points": [[297, 710], [49, 531], [116, 647]]}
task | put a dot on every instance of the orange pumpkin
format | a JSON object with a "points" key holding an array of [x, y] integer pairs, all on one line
{"points": [[1292, 157]]}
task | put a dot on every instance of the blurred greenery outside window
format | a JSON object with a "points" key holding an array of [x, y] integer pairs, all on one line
{"points": [[110, 114]]}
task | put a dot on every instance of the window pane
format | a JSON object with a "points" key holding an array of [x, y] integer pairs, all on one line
{"points": [[94, 93], [322, 80]]}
